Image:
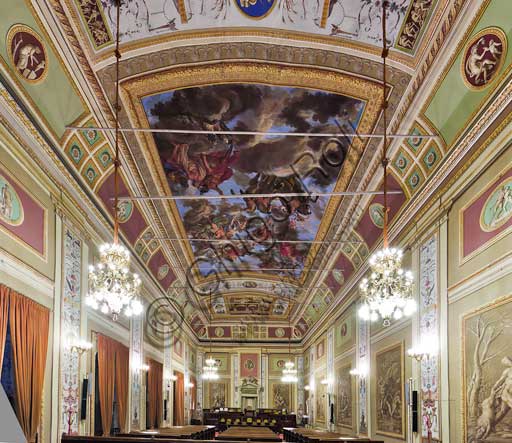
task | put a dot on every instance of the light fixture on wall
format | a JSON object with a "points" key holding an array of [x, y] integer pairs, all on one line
{"points": [[387, 294], [144, 367], [210, 369], [425, 350], [80, 346], [113, 288], [361, 371]]}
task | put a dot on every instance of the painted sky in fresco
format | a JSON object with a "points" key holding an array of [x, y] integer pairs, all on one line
{"points": [[225, 164]]}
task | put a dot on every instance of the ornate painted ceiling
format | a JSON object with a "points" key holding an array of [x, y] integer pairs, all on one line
{"points": [[250, 267]]}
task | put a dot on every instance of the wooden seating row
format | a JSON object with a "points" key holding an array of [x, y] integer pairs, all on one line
{"points": [[191, 432], [306, 435], [132, 438], [239, 433]]}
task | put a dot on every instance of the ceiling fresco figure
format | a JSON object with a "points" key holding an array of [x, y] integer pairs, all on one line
{"points": [[225, 164], [142, 18]]}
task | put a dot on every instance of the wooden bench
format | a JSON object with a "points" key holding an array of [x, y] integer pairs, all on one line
{"points": [[303, 435], [192, 432], [244, 433], [133, 438]]}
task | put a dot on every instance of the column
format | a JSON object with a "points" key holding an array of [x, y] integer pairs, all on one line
{"points": [[136, 362], [363, 368], [312, 387], [70, 331], [443, 329], [56, 416], [199, 372], [330, 377], [263, 380], [429, 338], [300, 386], [167, 378], [236, 381]]}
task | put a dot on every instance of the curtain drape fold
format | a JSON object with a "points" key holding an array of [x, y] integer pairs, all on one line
{"points": [[179, 399], [122, 368], [4, 319], [106, 378], [29, 323], [155, 387]]}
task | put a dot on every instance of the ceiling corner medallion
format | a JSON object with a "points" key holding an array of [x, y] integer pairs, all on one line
{"points": [[483, 57], [27, 53]]}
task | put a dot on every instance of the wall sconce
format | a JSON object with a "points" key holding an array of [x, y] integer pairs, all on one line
{"points": [[189, 384], [80, 346], [424, 351], [326, 381], [361, 371], [307, 388], [144, 367]]}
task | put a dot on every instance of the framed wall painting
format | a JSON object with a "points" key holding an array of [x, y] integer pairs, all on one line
{"points": [[280, 396], [487, 372], [344, 397], [217, 394], [389, 391], [320, 400]]}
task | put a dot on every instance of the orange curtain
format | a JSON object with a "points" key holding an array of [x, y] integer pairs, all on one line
{"points": [[106, 376], [179, 400], [4, 309], [122, 364], [155, 386], [29, 337]]}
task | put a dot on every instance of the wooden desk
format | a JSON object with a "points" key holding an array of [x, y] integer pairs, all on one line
{"points": [[245, 433]]}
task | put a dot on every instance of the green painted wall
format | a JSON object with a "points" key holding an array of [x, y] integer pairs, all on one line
{"points": [[453, 103], [55, 96]]}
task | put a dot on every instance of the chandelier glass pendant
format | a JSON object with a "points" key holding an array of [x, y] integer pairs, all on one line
{"points": [[387, 294], [113, 288], [289, 371], [210, 369]]}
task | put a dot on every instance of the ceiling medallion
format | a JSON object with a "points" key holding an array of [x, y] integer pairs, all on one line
{"points": [[387, 294], [27, 53], [113, 288], [483, 57]]}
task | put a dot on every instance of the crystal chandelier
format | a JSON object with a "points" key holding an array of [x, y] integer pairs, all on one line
{"points": [[387, 294], [113, 288], [210, 370], [289, 373]]}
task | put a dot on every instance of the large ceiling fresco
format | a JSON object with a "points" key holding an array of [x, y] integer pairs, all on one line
{"points": [[267, 234]]}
